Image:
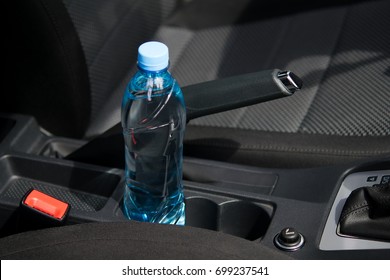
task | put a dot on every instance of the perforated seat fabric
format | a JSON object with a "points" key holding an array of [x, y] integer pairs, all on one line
{"points": [[341, 53]]}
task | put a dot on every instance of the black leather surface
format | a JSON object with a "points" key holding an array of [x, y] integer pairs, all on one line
{"points": [[366, 213]]}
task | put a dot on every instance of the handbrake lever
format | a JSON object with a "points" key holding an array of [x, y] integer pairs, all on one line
{"points": [[201, 99], [238, 91]]}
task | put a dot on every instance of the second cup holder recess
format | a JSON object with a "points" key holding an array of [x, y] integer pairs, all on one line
{"points": [[236, 217]]}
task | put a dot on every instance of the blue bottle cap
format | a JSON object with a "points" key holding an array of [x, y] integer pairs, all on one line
{"points": [[153, 56]]}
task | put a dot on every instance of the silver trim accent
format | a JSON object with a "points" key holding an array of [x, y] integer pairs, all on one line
{"points": [[299, 245], [291, 81]]}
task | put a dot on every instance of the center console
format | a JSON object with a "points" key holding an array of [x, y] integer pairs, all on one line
{"points": [[294, 210]]}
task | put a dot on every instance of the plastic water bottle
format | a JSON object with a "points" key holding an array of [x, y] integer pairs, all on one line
{"points": [[153, 121]]}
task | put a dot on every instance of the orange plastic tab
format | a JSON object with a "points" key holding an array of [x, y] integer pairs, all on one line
{"points": [[46, 204]]}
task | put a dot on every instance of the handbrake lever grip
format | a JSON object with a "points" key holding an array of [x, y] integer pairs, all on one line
{"points": [[201, 99], [238, 91]]}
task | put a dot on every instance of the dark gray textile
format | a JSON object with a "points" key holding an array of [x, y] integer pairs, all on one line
{"points": [[354, 96], [280, 149], [286, 43], [131, 240], [110, 33], [319, 46], [341, 53], [343, 58]]}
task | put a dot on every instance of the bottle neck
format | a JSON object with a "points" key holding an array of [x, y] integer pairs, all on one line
{"points": [[153, 73]]}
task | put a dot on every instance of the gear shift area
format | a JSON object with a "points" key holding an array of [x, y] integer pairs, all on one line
{"points": [[366, 213], [360, 215]]}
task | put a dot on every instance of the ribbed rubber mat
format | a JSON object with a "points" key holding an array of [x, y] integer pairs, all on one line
{"points": [[80, 201]]}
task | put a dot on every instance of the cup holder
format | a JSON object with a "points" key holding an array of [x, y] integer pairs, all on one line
{"points": [[239, 218], [202, 213]]}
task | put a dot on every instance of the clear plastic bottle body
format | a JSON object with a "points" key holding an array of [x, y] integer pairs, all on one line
{"points": [[153, 121]]}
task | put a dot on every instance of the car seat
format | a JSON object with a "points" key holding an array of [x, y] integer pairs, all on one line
{"points": [[70, 62]]}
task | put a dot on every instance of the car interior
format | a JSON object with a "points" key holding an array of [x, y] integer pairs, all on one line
{"points": [[287, 145]]}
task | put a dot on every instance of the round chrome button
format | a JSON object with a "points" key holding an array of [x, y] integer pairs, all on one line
{"points": [[289, 239]]}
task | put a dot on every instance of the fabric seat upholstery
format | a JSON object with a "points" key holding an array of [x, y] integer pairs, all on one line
{"points": [[131, 240], [341, 53], [342, 113]]}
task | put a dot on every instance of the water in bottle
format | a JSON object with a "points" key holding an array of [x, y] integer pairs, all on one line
{"points": [[153, 121]]}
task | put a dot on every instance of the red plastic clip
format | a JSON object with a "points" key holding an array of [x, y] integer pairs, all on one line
{"points": [[46, 204]]}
